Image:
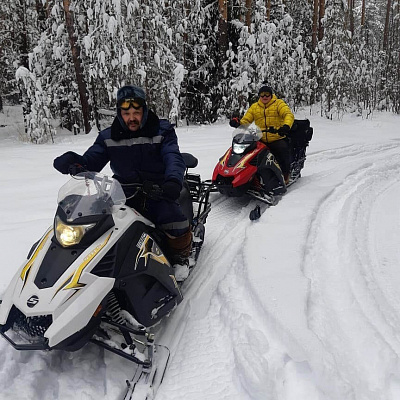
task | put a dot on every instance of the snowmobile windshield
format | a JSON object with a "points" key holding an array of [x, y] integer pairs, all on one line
{"points": [[245, 138], [90, 193], [247, 133]]}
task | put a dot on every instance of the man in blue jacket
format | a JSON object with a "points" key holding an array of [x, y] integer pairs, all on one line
{"points": [[141, 147]]}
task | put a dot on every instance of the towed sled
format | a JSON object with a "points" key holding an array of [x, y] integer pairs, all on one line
{"points": [[102, 274], [249, 168]]}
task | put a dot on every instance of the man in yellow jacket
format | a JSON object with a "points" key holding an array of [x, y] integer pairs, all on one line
{"points": [[271, 114]]}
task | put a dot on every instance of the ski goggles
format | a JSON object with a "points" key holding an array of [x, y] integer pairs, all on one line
{"points": [[265, 94], [136, 103]]}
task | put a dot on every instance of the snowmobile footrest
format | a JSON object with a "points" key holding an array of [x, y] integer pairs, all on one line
{"points": [[145, 363]]}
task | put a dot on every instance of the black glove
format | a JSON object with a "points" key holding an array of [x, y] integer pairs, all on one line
{"points": [[171, 190], [284, 130], [234, 122], [152, 190], [68, 163], [75, 169]]}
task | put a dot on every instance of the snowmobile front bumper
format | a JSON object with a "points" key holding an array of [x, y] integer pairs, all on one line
{"points": [[39, 344], [226, 186], [229, 190]]}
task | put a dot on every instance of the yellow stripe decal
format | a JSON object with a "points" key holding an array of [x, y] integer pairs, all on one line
{"points": [[74, 284], [243, 161], [66, 281], [223, 159], [25, 270]]}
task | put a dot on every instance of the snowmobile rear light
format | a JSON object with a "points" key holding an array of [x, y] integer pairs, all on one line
{"points": [[70, 235], [239, 148]]}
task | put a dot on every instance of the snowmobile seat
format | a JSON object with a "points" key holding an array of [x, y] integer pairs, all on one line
{"points": [[185, 201], [301, 133], [299, 138], [190, 160]]}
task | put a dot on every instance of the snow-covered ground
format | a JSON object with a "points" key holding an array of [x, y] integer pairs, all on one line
{"points": [[301, 304]]}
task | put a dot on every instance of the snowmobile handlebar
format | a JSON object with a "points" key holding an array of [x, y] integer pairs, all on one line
{"points": [[271, 129], [153, 191], [149, 189]]}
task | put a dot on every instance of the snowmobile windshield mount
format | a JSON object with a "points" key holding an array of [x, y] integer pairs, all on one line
{"points": [[90, 193]]}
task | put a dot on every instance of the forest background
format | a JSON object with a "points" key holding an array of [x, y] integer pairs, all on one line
{"points": [[198, 60]]}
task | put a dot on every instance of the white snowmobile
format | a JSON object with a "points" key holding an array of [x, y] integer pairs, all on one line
{"points": [[101, 274]]}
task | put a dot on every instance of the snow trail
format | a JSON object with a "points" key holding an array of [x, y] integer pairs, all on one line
{"points": [[301, 304]]}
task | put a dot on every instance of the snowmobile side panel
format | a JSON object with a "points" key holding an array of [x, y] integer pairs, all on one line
{"points": [[146, 279], [80, 311], [21, 277], [7, 299]]}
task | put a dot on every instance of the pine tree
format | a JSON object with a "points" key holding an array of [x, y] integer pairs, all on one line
{"points": [[335, 68]]}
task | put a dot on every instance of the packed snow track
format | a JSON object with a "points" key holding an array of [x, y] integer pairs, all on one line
{"points": [[303, 303]]}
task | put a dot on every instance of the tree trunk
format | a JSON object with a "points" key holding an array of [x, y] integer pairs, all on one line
{"points": [[351, 17], [268, 7], [75, 52], [22, 36], [321, 16], [363, 13], [223, 29], [387, 23], [248, 13], [315, 24]]}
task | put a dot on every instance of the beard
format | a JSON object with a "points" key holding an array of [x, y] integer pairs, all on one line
{"points": [[133, 125]]}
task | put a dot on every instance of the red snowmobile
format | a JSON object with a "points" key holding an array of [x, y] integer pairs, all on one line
{"points": [[249, 168]]}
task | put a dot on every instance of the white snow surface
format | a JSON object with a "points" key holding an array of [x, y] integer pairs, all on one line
{"points": [[302, 304]]}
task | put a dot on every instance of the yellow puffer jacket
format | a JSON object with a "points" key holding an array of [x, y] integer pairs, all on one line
{"points": [[275, 113]]}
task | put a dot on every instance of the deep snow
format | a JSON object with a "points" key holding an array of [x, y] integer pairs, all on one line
{"points": [[301, 304]]}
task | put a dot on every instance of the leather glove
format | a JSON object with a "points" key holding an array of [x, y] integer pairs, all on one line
{"points": [[234, 122], [284, 130], [67, 163], [171, 190]]}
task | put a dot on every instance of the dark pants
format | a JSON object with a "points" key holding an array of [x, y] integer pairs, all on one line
{"points": [[281, 150], [166, 215]]}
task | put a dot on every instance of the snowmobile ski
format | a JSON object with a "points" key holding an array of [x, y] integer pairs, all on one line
{"points": [[147, 379], [267, 201], [265, 198]]}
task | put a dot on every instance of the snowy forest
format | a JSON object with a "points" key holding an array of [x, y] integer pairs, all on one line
{"points": [[198, 60]]}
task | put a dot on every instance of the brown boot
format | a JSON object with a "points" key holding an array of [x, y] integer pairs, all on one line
{"points": [[286, 177], [181, 248]]}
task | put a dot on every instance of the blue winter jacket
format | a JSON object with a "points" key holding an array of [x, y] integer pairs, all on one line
{"points": [[151, 153]]}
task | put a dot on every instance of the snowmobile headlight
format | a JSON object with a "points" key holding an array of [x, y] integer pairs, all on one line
{"points": [[69, 235], [239, 148]]}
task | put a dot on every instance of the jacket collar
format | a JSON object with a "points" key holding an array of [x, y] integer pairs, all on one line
{"points": [[150, 128], [262, 105]]}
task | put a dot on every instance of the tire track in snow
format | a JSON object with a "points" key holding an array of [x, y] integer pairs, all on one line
{"points": [[207, 336], [350, 299], [327, 163]]}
